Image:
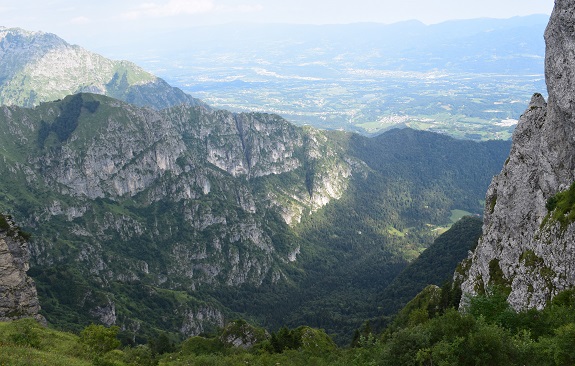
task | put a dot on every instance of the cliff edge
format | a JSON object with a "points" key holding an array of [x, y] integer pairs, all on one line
{"points": [[18, 296], [528, 242]]}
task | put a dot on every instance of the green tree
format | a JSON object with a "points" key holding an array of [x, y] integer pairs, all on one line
{"points": [[285, 339], [99, 339], [403, 347], [140, 355], [563, 346], [493, 307], [488, 344], [161, 344]]}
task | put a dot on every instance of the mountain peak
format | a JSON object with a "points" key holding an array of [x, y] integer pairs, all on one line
{"points": [[528, 242], [39, 67]]}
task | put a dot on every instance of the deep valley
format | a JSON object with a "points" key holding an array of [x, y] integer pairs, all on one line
{"points": [[360, 203]]}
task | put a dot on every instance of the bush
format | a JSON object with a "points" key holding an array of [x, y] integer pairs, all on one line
{"points": [[26, 333], [140, 355], [99, 339]]}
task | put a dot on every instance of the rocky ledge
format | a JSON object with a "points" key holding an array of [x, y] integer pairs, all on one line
{"points": [[18, 296]]}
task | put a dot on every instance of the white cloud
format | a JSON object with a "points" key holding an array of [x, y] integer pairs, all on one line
{"points": [[171, 8]]}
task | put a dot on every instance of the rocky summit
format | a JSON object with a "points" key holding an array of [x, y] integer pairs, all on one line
{"points": [[528, 243], [38, 67]]}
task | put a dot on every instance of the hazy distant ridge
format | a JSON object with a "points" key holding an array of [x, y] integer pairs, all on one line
{"points": [[38, 67], [468, 78]]}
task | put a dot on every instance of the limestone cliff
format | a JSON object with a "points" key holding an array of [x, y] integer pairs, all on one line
{"points": [[188, 158], [18, 297], [182, 198], [528, 242]]}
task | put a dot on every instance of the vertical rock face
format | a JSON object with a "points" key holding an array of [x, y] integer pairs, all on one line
{"points": [[197, 321], [18, 297], [528, 245]]}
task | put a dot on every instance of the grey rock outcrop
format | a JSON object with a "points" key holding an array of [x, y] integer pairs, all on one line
{"points": [[182, 156], [523, 248], [197, 321], [18, 297], [241, 334], [196, 165]]}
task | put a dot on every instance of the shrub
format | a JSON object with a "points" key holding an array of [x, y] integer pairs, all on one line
{"points": [[99, 339]]}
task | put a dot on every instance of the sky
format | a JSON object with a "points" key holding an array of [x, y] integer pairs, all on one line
{"points": [[89, 23]]}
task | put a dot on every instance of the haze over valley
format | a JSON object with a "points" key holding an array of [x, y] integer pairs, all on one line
{"points": [[469, 79]]}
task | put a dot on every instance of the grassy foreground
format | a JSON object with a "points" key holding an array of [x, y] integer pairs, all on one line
{"points": [[425, 332]]}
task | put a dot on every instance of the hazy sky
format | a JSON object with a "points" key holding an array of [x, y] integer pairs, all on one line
{"points": [[82, 22]]}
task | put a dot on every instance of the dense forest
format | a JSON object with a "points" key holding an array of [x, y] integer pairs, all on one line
{"points": [[172, 246], [428, 331]]}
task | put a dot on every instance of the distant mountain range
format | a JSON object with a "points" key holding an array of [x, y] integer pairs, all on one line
{"points": [[470, 78], [38, 67], [475, 46]]}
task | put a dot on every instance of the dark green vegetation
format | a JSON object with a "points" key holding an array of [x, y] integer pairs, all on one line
{"points": [[434, 266], [355, 247], [7, 225], [561, 208], [67, 122], [174, 221], [427, 331], [497, 278]]}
